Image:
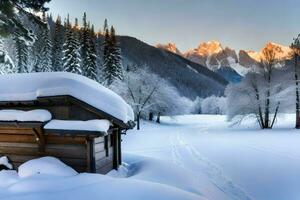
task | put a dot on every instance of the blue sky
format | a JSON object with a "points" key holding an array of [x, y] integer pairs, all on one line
{"points": [[240, 24]]}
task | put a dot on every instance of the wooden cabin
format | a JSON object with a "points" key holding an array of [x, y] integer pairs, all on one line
{"points": [[67, 134]]}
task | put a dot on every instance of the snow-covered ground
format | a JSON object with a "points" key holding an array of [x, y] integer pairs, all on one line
{"points": [[195, 157], [204, 155]]}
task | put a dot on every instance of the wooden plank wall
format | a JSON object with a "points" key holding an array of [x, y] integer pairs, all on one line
{"points": [[103, 153], [20, 146]]}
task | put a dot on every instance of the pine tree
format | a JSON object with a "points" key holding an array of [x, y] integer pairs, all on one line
{"points": [[105, 26], [22, 55], [47, 47], [112, 65], [6, 64], [71, 59], [11, 23], [84, 44], [57, 48], [43, 48], [91, 70], [88, 50], [99, 52]]}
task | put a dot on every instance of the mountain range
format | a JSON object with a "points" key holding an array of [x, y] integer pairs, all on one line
{"points": [[200, 72], [214, 56], [189, 78]]}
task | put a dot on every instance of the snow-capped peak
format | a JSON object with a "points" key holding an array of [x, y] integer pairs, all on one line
{"points": [[169, 47], [212, 55], [208, 48], [281, 52]]}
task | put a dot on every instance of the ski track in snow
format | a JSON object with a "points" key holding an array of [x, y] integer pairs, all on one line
{"points": [[215, 174], [175, 152]]}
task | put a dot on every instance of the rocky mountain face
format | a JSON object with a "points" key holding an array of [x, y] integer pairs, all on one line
{"points": [[211, 55], [215, 57], [169, 47], [190, 79]]}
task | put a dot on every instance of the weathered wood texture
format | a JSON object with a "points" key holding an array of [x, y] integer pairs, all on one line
{"points": [[104, 154], [83, 151], [21, 146]]}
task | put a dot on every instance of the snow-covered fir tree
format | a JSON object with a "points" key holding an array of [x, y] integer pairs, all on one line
{"points": [[88, 50], [46, 50], [99, 53], [6, 63], [57, 46], [91, 70], [22, 55], [11, 12], [105, 26], [43, 48], [112, 59], [71, 59]]}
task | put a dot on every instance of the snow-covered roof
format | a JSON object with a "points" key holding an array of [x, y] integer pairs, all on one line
{"points": [[99, 125], [38, 115], [30, 86]]}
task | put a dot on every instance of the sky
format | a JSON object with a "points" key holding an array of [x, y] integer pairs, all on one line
{"points": [[238, 24]]}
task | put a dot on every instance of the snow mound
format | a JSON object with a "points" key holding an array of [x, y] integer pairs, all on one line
{"points": [[38, 115], [46, 165], [8, 177], [57, 182], [92, 186], [158, 171], [4, 161], [90, 125], [30, 86]]}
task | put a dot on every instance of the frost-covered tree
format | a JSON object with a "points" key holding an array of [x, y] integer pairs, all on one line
{"points": [[259, 96], [295, 46], [88, 50], [10, 21], [12, 15], [71, 59], [112, 59], [213, 105], [57, 46], [91, 69], [269, 62], [42, 48], [147, 92], [6, 63], [22, 55], [46, 53], [99, 53]]}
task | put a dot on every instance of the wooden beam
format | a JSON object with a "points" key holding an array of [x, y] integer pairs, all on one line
{"points": [[75, 132], [18, 124], [90, 161], [120, 146], [116, 149]]}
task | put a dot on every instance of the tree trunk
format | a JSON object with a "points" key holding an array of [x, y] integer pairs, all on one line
{"points": [[158, 118], [267, 108], [138, 116], [151, 116], [275, 115], [297, 94], [261, 119]]}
